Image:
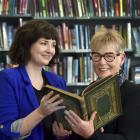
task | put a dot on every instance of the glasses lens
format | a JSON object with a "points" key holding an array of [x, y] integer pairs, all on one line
{"points": [[96, 57], [109, 57]]}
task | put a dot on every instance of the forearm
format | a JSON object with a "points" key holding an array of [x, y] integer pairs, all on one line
{"points": [[30, 122], [21, 128]]}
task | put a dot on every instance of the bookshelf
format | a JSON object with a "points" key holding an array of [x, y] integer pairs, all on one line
{"points": [[76, 21]]}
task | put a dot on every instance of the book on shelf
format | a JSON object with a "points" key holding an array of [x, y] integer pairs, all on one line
{"points": [[1, 39], [121, 8], [136, 36], [102, 96], [135, 74], [129, 41], [90, 8], [4, 35]]}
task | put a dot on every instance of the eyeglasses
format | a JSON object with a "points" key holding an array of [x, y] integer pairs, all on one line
{"points": [[109, 56]]}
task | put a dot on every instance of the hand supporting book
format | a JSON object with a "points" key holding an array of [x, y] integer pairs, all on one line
{"points": [[80, 126]]}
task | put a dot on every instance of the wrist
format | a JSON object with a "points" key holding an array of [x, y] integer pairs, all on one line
{"points": [[94, 135], [88, 135], [39, 112]]}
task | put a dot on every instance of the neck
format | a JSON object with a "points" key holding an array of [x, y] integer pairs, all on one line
{"points": [[33, 70], [35, 75]]}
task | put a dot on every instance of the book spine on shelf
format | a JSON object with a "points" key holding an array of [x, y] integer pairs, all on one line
{"points": [[129, 41], [121, 7]]}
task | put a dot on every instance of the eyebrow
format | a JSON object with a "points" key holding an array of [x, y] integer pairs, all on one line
{"points": [[53, 41]]}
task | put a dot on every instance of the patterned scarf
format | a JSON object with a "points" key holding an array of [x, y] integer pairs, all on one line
{"points": [[122, 77]]}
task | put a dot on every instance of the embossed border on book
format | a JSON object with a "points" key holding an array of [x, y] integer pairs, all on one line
{"points": [[105, 99]]}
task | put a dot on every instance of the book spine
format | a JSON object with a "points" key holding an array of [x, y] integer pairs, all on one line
{"points": [[116, 8], [60, 3], [43, 8], [79, 8], [4, 34], [60, 34], [84, 110], [99, 8], [1, 7], [135, 35], [95, 3], [75, 70], [112, 8], [129, 42], [65, 35], [76, 27], [131, 8], [70, 12], [128, 7], [86, 7], [121, 8], [5, 7], [69, 70], [105, 8], [90, 8]]}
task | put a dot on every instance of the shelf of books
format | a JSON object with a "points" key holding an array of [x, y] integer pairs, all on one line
{"points": [[82, 8], [76, 21]]}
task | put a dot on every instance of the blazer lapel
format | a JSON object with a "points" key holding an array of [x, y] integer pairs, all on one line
{"points": [[29, 89]]}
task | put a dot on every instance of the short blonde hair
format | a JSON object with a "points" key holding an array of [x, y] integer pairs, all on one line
{"points": [[108, 37]]}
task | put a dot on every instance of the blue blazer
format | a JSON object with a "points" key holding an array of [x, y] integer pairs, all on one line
{"points": [[18, 99]]}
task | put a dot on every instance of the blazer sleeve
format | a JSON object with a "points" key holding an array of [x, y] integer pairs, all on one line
{"points": [[8, 104]]}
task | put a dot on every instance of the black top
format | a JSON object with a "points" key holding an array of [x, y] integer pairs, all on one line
{"points": [[48, 121]]}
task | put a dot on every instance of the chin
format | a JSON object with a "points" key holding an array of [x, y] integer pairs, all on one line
{"points": [[46, 62]]}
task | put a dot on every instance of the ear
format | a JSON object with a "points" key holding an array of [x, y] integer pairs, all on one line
{"points": [[123, 56]]}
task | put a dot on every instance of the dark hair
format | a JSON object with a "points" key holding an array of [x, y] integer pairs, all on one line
{"points": [[28, 34]]}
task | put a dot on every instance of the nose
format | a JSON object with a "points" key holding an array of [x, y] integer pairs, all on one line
{"points": [[50, 45], [102, 60], [50, 48]]}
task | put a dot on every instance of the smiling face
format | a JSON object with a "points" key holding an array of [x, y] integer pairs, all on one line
{"points": [[42, 51], [103, 68], [106, 42]]}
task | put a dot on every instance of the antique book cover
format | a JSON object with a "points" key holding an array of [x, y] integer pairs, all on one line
{"points": [[102, 96]]}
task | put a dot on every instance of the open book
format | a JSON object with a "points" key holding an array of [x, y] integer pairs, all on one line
{"points": [[102, 96]]}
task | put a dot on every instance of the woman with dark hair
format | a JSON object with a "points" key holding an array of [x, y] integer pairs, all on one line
{"points": [[25, 110]]}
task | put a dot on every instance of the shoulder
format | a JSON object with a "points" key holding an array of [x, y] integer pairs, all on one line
{"points": [[129, 85], [9, 80], [9, 72], [129, 88], [10, 76]]}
